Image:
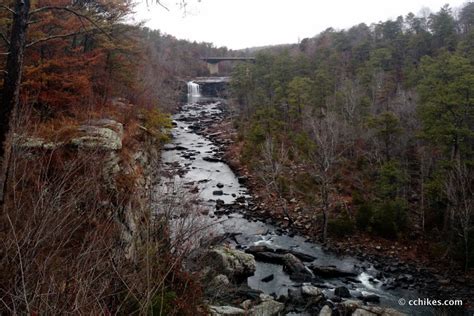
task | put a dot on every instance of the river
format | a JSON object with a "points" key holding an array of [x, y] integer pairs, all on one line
{"points": [[212, 179]]}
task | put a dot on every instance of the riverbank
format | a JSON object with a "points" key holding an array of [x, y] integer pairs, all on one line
{"points": [[408, 264]]}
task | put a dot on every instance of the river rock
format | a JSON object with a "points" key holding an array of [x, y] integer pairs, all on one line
{"points": [[268, 278], [231, 262], [362, 312], [349, 306], [243, 179], [295, 268], [331, 272], [311, 291], [295, 296], [211, 159], [220, 280], [325, 311], [225, 311], [342, 291], [302, 256], [268, 308], [371, 298]]}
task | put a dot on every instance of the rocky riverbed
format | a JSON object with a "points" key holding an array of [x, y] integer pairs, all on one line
{"points": [[257, 266]]}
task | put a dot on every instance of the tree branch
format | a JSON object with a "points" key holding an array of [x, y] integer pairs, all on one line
{"points": [[4, 38], [160, 4], [2, 6], [80, 16], [45, 39]]}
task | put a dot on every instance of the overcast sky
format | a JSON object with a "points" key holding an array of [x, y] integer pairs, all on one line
{"points": [[247, 23]]}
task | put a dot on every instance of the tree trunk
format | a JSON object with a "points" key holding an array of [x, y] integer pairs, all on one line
{"points": [[325, 200], [11, 84]]}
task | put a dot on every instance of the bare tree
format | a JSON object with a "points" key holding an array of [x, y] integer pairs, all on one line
{"points": [[327, 134], [460, 192], [272, 171]]}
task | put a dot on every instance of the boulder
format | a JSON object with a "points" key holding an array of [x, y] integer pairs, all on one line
{"points": [[295, 268], [325, 311], [33, 143], [311, 291], [331, 272], [268, 308], [362, 312], [302, 256], [243, 179], [231, 262], [342, 291], [98, 137], [225, 311], [349, 306], [371, 298], [220, 281], [268, 278], [295, 296], [108, 123]]}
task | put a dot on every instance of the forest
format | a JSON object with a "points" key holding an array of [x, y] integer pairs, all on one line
{"points": [[67, 65], [372, 127]]}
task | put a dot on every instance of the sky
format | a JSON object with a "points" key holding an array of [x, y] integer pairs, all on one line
{"points": [[241, 24]]}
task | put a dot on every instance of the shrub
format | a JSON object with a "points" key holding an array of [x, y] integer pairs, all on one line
{"points": [[341, 227], [364, 215], [390, 218]]}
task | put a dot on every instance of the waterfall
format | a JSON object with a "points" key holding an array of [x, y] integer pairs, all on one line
{"points": [[193, 89]]}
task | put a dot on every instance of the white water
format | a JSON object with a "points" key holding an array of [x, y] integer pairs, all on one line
{"points": [[193, 89]]}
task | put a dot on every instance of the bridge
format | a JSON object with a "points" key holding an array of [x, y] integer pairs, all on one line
{"points": [[213, 62]]}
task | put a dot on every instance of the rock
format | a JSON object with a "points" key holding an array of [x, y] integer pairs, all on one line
{"points": [[295, 296], [268, 278], [269, 257], [302, 256], [350, 306], [362, 312], [392, 312], [243, 179], [325, 311], [220, 280], [95, 137], [247, 304], [218, 192], [211, 159], [371, 298], [342, 291], [268, 308], [108, 123], [33, 143], [230, 262], [331, 272], [311, 291], [220, 185], [225, 311], [295, 268]]}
